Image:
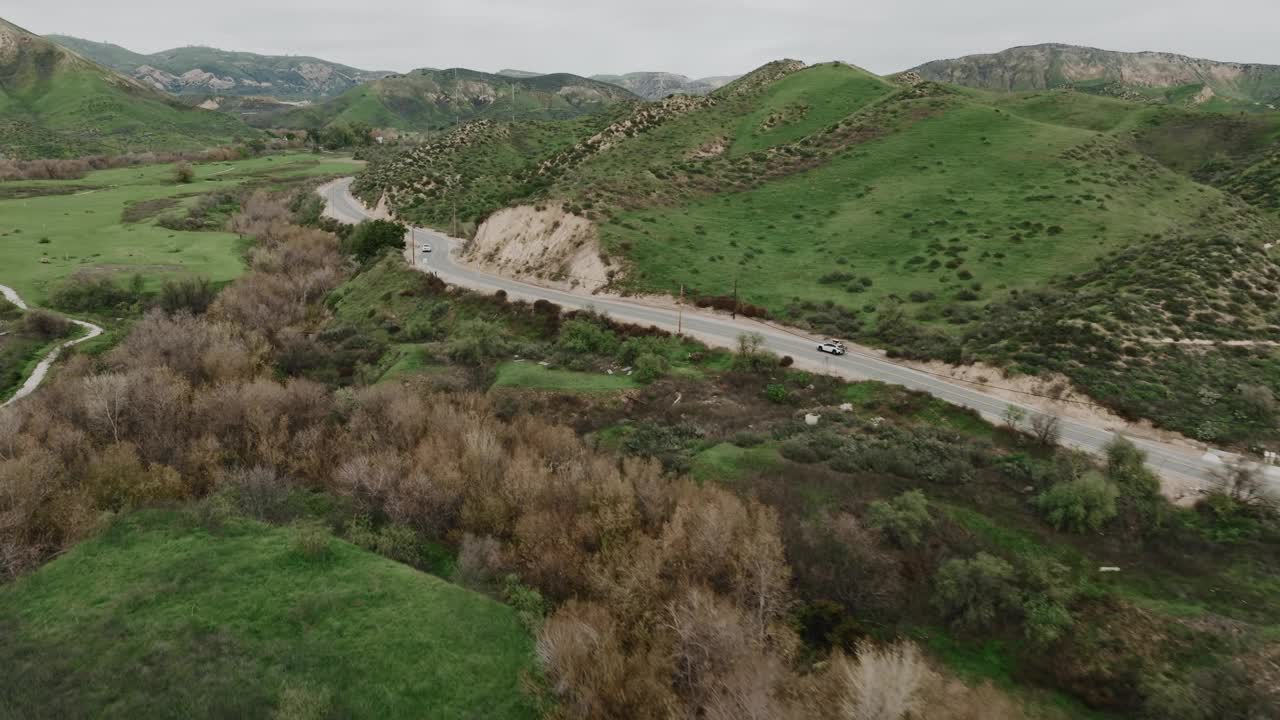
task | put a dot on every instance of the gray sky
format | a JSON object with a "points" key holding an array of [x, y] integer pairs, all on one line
{"points": [[693, 37]]}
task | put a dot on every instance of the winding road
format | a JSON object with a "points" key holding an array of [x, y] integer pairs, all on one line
{"points": [[1185, 470], [42, 368]]}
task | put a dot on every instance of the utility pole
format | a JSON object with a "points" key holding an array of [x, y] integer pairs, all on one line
{"points": [[735, 296], [513, 102], [680, 313]]}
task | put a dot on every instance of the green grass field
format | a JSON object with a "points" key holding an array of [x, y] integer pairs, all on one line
{"points": [[532, 376], [160, 618], [52, 229]]}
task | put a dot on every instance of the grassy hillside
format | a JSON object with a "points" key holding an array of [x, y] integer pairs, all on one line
{"points": [[164, 618], [922, 217], [210, 71], [431, 99], [107, 224], [55, 104], [1153, 77]]}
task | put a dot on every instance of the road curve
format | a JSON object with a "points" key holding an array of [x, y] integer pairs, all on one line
{"points": [[1185, 470], [42, 368]]}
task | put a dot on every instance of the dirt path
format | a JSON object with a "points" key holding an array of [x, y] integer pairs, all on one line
{"points": [[42, 369]]}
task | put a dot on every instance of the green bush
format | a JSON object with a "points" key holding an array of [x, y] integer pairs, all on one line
{"points": [[528, 603], [977, 592], [190, 294], [1139, 486], [650, 367], [776, 393], [476, 341], [584, 337], [1081, 505], [904, 518]]}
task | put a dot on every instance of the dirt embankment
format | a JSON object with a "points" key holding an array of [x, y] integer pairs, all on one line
{"points": [[549, 245]]}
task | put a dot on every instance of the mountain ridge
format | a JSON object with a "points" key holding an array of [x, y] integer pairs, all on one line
{"points": [[56, 103], [1150, 76], [203, 70]]}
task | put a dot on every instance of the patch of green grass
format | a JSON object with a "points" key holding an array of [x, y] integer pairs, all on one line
{"points": [[407, 359], [726, 462], [532, 376], [85, 230], [160, 618]]}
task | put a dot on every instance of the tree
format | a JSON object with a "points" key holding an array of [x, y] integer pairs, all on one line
{"points": [[371, 237], [183, 173], [192, 294], [1046, 428], [751, 355], [650, 367], [1242, 482], [904, 518], [974, 593], [1081, 505], [1013, 416]]}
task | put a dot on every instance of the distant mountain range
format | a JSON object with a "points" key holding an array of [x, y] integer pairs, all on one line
{"points": [[433, 99], [1139, 76], [55, 103], [209, 71], [650, 85]]}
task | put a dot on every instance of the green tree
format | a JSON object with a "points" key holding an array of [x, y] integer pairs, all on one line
{"points": [[975, 593], [1081, 505], [584, 337], [650, 367], [371, 237], [904, 518], [1139, 486]]}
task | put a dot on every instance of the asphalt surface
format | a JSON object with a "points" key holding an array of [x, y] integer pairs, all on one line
{"points": [[1184, 469]]}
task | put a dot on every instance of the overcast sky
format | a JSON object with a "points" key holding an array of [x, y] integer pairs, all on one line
{"points": [[693, 37]]}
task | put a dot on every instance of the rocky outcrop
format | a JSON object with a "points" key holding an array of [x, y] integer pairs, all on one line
{"points": [[546, 244]]}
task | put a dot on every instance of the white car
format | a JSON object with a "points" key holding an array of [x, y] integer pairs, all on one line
{"points": [[426, 248], [835, 347]]}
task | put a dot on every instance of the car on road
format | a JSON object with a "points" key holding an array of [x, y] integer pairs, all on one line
{"points": [[835, 347], [426, 248]]}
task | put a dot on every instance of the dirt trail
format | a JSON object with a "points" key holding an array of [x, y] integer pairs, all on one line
{"points": [[42, 369]]}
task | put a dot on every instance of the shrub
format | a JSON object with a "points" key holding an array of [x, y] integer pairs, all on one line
{"points": [[81, 294], [531, 608], [584, 337], [650, 367], [799, 451], [311, 540], [475, 341], [191, 294], [882, 683], [45, 325], [1081, 505], [183, 173], [904, 519], [776, 392], [977, 592]]}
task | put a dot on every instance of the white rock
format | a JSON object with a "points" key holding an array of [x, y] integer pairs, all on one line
{"points": [[847, 407], [810, 419], [1108, 568]]}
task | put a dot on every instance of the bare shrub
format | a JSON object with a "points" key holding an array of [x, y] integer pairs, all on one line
{"points": [[183, 173], [883, 683], [480, 562]]}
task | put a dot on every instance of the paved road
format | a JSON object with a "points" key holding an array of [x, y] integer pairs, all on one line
{"points": [[1184, 469], [42, 369]]}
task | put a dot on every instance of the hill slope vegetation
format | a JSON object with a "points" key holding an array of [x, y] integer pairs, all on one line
{"points": [[1049, 232], [160, 611], [55, 103]]}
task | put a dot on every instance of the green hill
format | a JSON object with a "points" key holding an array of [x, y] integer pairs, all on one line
{"points": [[54, 103], [1052, 231], [204, 71], [429, 99], [160, 617], [1141, 76]]}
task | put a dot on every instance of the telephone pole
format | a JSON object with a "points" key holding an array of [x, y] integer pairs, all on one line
{"points": [[735, 296], [680, 313]]}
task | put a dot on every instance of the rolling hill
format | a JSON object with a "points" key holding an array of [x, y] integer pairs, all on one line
{"points": [[432, 99], [1139, 76], [244, 620], [204, 71], [1047, 232], [54, 103]]}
